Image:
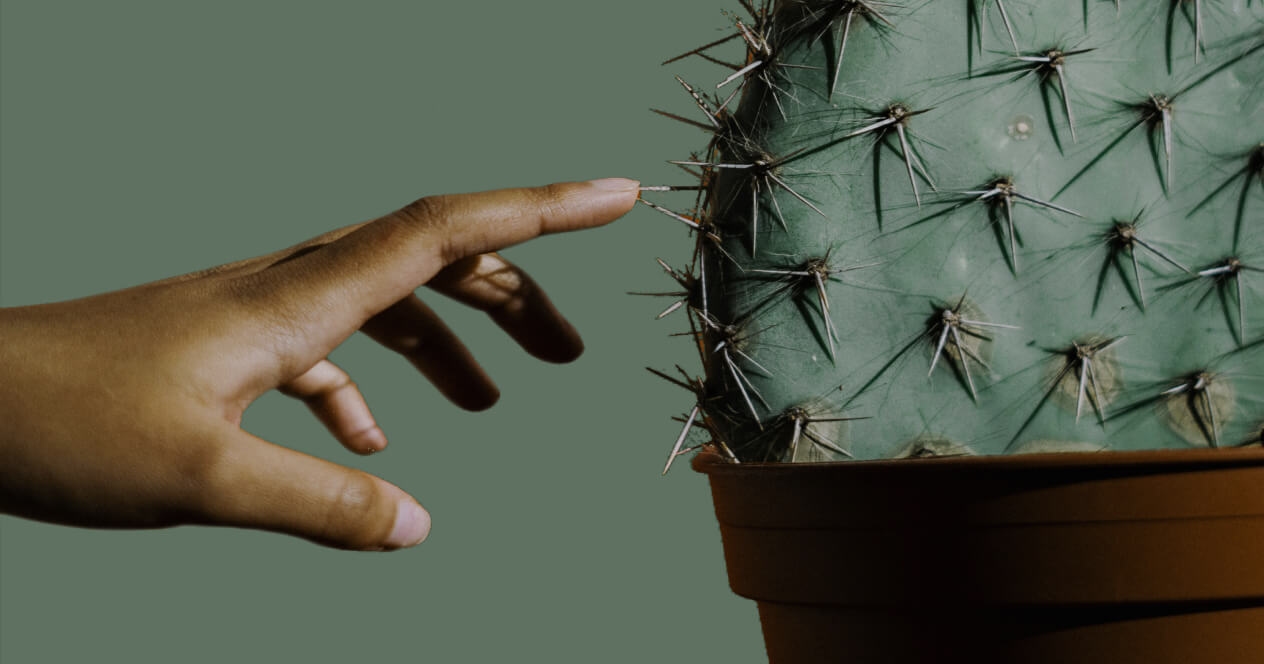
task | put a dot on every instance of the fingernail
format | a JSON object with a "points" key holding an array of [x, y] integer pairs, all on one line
{"points": [[412, 524], [615, 184]]}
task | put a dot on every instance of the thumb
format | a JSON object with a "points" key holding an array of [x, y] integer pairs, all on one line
{"points": [[256, 484]]}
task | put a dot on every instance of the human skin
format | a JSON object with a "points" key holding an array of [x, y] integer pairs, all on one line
{"points": [[124, 409]]}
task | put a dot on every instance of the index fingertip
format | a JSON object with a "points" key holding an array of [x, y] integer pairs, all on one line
{"points": [[616, 184], [618, 193]]}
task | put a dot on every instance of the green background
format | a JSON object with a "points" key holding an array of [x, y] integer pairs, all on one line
{"points": [[147, 139]]}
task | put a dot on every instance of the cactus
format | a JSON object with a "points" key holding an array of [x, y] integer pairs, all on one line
{"points": [[970, 227]]}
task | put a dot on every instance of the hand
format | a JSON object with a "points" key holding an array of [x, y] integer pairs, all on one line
{"points": [[124, 409]]}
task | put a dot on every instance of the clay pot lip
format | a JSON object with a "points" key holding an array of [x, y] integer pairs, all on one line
{"points": [[1054, 530], [711, 463]]}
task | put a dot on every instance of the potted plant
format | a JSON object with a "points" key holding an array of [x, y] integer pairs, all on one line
{"points": [[976, 289]]}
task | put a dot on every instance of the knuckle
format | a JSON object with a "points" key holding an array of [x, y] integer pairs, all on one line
{"points": [[427, 210], [355, 516], [552, 200], [342, 383], [327, 398], [517, 303], [435, 215]]}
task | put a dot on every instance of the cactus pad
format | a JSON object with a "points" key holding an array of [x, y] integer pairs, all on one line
{"points": [[976, 227]]}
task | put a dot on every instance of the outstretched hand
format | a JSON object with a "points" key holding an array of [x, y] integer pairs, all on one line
{"points": [[124, 409]]}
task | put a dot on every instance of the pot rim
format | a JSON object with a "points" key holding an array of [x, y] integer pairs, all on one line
{"points": [[710, 462], [1063, 529]]}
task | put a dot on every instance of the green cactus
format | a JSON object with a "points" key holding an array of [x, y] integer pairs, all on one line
{"points": [[971, 227]]}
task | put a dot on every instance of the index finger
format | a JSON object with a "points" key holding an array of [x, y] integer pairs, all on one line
{"points": [[349, 280]]}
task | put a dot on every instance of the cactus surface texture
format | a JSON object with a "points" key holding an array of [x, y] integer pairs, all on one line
{"points": [[949, 227]]}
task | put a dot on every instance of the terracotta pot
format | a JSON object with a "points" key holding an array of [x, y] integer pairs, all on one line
{"points": [[1071, 558]]}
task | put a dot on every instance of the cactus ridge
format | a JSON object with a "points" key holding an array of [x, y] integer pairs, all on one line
{"points": [[1038, 232]]}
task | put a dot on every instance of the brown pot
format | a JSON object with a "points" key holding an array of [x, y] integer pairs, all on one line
{"points": [[1114, 557]]}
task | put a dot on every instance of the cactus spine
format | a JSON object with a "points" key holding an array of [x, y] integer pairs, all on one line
{"points": [[972, 227]]}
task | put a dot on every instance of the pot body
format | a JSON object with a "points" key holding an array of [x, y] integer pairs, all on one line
{"points": [[1113, 557]]}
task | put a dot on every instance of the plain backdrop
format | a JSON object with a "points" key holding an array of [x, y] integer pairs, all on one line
{"points": [[147, 139]]}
